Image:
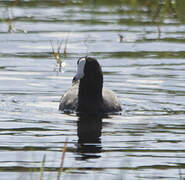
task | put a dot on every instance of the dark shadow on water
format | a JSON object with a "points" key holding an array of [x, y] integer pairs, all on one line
{"points": [[89, 137]]}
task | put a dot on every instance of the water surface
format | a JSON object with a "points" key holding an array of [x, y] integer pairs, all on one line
{"points": [[145, 67]]}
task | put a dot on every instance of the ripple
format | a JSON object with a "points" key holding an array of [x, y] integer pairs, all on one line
{"points": [[145, 68]]}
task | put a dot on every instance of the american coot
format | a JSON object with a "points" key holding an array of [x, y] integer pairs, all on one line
{"points": [[88, 95]]}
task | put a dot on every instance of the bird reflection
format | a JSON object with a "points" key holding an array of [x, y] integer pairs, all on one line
{"points": [[89, 137]]}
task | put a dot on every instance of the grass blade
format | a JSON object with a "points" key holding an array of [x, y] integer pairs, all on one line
{"points": [[42, 168], [62, 160]]}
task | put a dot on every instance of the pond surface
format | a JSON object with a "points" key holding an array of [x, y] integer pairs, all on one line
{"points": [[140, 46]]}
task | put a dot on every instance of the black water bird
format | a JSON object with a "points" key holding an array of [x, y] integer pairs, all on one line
{"points": [[87, 94]]}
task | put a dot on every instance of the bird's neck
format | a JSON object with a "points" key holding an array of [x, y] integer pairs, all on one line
{"points": [[90, 98], [90, 89]]}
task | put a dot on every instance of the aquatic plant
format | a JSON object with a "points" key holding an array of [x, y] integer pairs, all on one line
{"points": [[42, 169], [58, 56], [9, 19], [62, 160]]}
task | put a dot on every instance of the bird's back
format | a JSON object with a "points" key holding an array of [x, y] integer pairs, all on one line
{"points": [[69, 101]]}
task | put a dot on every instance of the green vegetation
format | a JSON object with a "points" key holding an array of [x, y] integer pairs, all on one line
{"points": [[156, 10], [42, 168], [59, 56], [9, 19], [61, 167], [62, 161]]}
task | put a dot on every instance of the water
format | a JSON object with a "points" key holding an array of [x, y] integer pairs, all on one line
{"points": [[145, 68]]}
